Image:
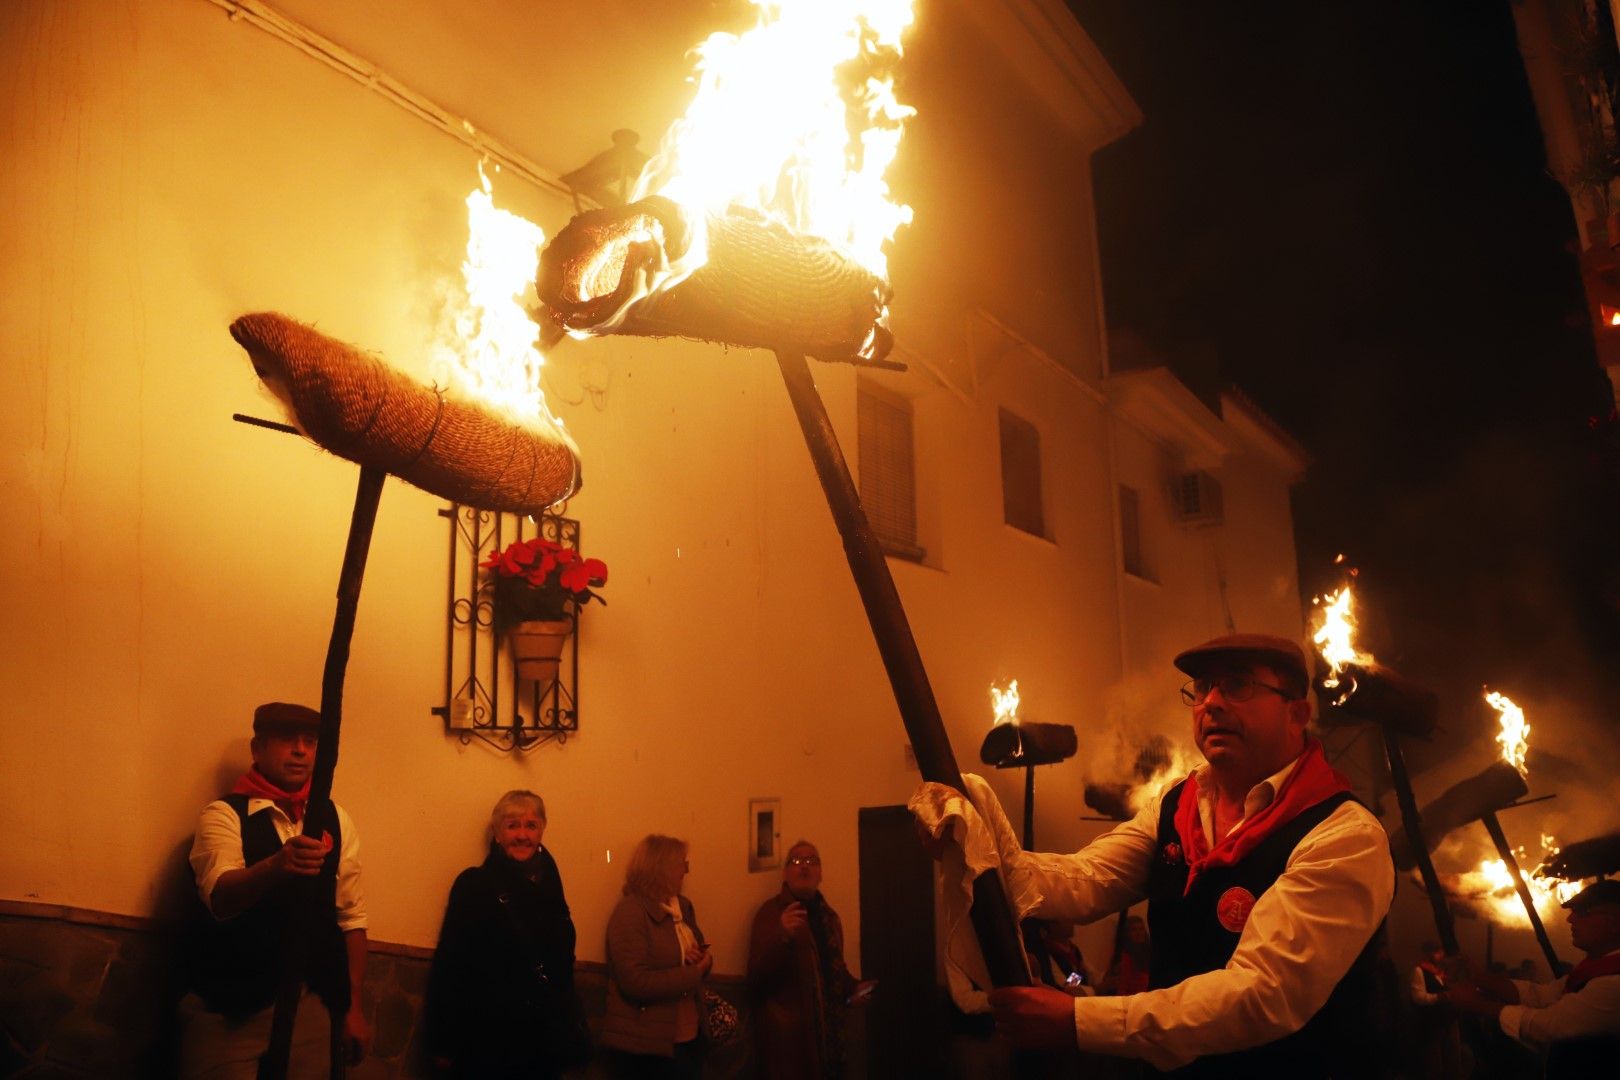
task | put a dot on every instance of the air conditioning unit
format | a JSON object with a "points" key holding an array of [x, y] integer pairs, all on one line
{"points": [[1195, 499]]}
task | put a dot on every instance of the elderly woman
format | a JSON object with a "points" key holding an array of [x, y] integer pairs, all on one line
{"points": [[500, 998], [656, 963]]}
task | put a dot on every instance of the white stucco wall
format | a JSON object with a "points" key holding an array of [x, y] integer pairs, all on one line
{"points": [[166, 569]]}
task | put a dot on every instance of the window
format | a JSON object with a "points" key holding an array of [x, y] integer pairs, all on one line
{"points": [[1021, 474], [1130, 534], [883, 428]]}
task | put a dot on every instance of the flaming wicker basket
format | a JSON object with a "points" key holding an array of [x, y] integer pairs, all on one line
{"points": [[763, 285], [359, 408]]}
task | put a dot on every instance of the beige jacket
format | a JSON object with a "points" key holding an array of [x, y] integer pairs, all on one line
{"points": [[645, 976]]}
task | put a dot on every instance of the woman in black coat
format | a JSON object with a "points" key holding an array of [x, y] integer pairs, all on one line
{"points": [[500, 998]]}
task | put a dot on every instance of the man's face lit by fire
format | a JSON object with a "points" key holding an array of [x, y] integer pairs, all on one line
{"points": [[1595, 928], [284, 758], [1254, 738], [802, 871]]}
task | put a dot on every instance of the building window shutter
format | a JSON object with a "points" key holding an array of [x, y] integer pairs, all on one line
{"points": [[1021, 475], [1130, 533], [888, 471]]}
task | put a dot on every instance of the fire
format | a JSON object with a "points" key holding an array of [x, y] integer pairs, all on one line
{"points": [[1335, 638], [795, 120], [1514, 737], [1175, 763], [1492, 885], [489, 349], [1005, 702]]}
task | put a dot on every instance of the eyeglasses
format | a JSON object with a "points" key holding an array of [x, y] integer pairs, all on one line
{"points": [[1232, 688], [804, 860]]}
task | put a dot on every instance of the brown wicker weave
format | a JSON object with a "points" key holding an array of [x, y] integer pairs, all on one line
{"points": [[763, 285], [359, 408]]}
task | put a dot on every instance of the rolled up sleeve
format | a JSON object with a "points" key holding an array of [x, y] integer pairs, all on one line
{"points": [[216, 849], [351, 899], [1300, 939]]}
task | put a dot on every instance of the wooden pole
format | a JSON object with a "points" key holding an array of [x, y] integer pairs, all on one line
{"points": [[1499, 838], [1413, 825], [992, 915], [273, 1065]]}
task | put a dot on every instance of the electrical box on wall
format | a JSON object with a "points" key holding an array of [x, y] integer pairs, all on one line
{"points": [[1195, 499]]}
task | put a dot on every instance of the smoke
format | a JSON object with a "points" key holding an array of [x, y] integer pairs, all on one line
{"points": [[1143, 744]]}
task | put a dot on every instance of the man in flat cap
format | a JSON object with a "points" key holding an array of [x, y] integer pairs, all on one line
{"points": [[1574, 1020], [1267, 885], [253, 859]]}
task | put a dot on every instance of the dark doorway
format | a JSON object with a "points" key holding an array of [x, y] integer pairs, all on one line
{"points": [[904, 1022]]}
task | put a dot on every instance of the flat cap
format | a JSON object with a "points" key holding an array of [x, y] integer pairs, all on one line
{"points": [[1605, 891], [280, 718], [1280, 653]]}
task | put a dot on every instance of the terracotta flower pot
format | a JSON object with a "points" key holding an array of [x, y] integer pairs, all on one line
{"points": [[537, 647]]}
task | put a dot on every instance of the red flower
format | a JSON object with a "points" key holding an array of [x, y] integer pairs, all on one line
{"points": [[511, 561]]}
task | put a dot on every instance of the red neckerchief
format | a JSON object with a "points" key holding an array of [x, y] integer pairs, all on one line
{"points": [[1311, 781], [1590, 968], [254, 784]]}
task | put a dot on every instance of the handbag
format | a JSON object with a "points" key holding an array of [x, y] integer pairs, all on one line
{"points": [[717, 1017]]}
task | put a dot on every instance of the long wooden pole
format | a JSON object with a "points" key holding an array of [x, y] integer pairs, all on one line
{"points": [[992, 916], [319, 812], [1413, 823], [1499, 838]]}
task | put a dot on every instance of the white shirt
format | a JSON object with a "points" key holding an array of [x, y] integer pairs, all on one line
{"points": [[1300, 939], [1545, 1014], [217, 850]]}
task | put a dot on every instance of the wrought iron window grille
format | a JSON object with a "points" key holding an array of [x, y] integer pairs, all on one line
{"points": [[483, 696]]}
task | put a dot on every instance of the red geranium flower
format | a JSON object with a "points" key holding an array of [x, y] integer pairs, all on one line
{"points": [[540, 578]]}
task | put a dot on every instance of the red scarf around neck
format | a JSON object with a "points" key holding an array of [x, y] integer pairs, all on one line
{"points": [[254, 785], [1311, 781], [1590, 968]]}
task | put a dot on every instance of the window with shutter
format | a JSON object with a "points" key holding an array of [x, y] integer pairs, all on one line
{"points": [[1130, 534], [1021, 474], [888, 480]]}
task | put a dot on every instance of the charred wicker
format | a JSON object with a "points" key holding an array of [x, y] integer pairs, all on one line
{"points": [[763, 284]]}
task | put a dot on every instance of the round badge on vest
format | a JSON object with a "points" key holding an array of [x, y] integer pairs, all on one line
{"points": [[1232, 909]]}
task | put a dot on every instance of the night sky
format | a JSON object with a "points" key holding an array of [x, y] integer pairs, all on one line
{"points": [[1344, 208]]}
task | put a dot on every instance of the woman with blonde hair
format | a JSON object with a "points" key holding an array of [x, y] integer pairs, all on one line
{"points": [[657, 959], [500, 998]]}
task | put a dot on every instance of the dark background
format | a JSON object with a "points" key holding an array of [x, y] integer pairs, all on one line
{"points": [[1344, 208]]}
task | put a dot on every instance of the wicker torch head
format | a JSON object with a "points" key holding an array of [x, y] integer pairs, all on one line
{"points": [[356, 406]]}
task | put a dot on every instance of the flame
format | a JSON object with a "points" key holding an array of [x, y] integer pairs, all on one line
{"points": [[1005, 702], [1514, 737], [1491, 885], [1335, 638], [796, 120], [488, 350], [1178, 764]]}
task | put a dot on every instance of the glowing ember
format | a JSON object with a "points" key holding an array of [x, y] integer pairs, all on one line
{"points": [[1335, 639], [488, 350], [1005, 702], [796, 120], [1514, 737]]}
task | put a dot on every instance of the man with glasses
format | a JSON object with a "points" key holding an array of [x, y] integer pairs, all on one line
{"points": [[1267, 885], [797, 975]]}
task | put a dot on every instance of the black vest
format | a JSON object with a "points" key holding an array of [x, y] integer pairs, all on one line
{"points": [[235, 964], [1189, 938]]}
